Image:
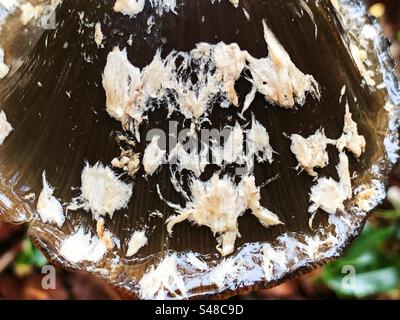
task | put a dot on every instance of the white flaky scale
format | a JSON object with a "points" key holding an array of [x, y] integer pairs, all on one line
{"points": [[258, 142], [5, 127], [81, 246], [108, 239], [277, 78], [98, 34], [364, 199], [164, 6], [328, 194], [225, 271], [153, 156], [30, 12], [103, 193], [192, 160], [312, 245], [273, 259], [360, 57], [364, 34], [351, 139], [311, 152], [217, 68], [129, 7], [218, 203], [134, 7], [230, 62], [128, 161], [256, 139], [49, 207], [162, 280], [4, 69], [9, 5], [366, 195], [150, 23], [235, 3], [137, 241], [233, 148], [196, 262], [121, 81]]}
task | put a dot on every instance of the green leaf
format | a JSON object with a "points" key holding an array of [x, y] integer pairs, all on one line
{"points": [[375, 270], [367, 259], [388, 214], [367, 284], [371, 238], [30, 256]]}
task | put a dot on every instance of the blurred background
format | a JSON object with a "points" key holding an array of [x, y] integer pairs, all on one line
{"points": [[375, 255]]}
